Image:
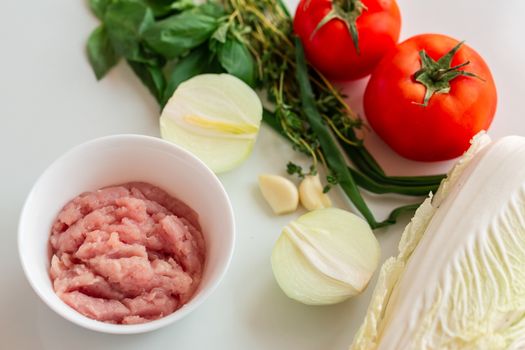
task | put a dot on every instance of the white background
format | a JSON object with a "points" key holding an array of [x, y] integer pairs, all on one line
{"points": [[50, 101]]}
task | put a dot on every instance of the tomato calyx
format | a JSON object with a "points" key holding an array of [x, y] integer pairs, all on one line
{"points": [[347, 11], [436, 75]]}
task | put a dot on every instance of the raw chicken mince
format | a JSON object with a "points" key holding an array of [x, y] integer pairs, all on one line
{"points": [[126, 254]]}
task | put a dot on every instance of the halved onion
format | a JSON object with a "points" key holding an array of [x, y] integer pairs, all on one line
{"points": [[214, 116], [325, 257]]}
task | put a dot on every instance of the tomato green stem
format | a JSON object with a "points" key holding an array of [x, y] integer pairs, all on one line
{"points": [[436, 75], [347, 11]]}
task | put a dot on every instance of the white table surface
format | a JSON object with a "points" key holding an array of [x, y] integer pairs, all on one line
{"points": [[50, 101]]}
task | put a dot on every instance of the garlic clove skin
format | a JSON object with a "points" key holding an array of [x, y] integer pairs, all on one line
{"points": [[280, 193], [311, 193]]}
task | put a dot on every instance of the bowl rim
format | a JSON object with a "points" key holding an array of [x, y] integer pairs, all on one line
{"points": [[76, 317]]}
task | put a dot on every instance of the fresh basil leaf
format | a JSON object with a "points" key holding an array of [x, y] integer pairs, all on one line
{"points": [[159, 3], [177, 34], [221, 33], [98, 7], [182, 5], [152, 77], [199, 61], [148, 56], [101, 54], [163, 8], [212, 9], [237, 60], [125, 22]]}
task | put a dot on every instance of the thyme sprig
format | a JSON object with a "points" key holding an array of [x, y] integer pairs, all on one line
{"points": [[167, 42]]}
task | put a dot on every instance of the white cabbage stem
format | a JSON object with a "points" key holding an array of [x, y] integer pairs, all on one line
{"points": [[459, 279]]}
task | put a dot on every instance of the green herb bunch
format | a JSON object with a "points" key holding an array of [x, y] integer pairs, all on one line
{"points": [[166, 42]]}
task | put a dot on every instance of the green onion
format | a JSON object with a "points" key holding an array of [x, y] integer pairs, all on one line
{"points": [[335, 161]]}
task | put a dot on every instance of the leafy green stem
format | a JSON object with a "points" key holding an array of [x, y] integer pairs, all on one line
{"points": [[370, 177], [334, 159]]}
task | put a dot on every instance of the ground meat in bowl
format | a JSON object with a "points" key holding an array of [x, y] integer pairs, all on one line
{"points": [[126, 254]]}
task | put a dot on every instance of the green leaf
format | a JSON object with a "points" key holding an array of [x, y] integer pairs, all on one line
{"points": [[163, 8], [199, 61], [221, 33], [237, 60], [148, 56], [100, 53], [151, 76], [177, 34], [294, 169], [125, 22], [212, 9], [335, 160], [182, 5], [98, 7]]}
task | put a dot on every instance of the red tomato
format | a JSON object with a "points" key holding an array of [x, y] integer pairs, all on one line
{"points": [[442, 129], [331, 48]]}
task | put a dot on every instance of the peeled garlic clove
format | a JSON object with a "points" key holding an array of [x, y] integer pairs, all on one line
{"points": [[311, 193], [280, 193], [325, 256]]}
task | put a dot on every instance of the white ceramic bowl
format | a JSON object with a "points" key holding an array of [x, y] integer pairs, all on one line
{"points": [[115, 160]]}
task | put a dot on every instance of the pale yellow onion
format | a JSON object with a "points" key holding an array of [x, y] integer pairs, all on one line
{"points": [[214, 116], [325, 257]]}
